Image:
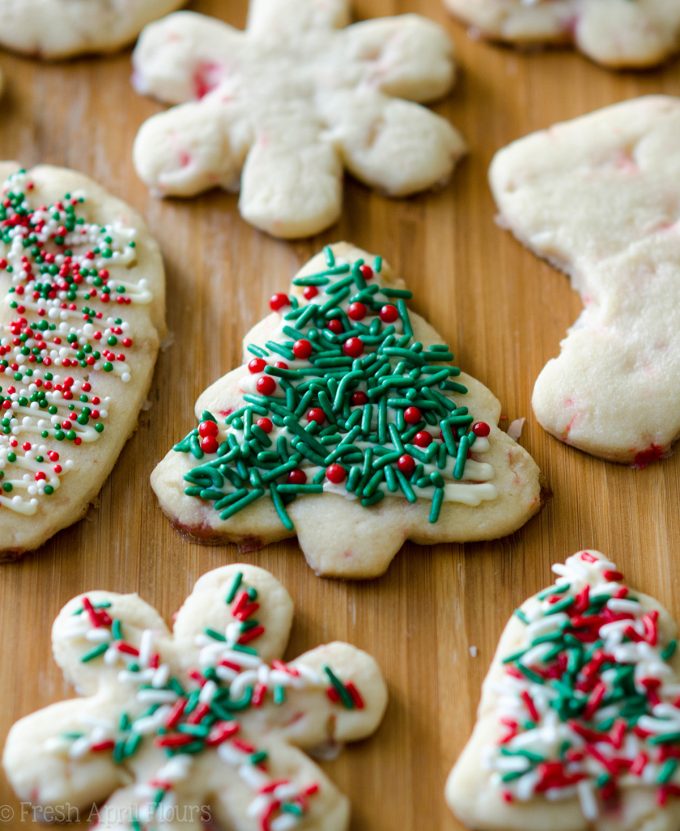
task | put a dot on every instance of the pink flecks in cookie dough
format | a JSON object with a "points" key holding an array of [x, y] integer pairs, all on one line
{"points": [[651, 454], [207, 76]]}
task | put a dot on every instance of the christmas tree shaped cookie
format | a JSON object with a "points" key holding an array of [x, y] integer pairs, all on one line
{"points": [[83, 313], [579, 722], [199, 727], [347, 426], [597, 197], [280, 109]]}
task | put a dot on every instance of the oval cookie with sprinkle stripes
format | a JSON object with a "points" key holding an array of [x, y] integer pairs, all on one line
{"points": [[84, 295]]}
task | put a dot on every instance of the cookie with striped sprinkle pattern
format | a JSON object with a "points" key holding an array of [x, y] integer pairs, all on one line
{"points": [[279, 110], [196, 727], [83, 285], [579, 722], [348, 426], [54, 29], [616, 33]]}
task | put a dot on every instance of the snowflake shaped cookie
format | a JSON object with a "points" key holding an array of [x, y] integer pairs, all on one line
{"points": [[198, 725], [280, 109], [347, 426], [596, 197], [55, 29], [579, 722], [616, 33]]}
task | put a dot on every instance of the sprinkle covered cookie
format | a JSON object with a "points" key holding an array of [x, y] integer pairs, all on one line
{"points": [[579, 722], [55, 29], [597, 198], [198, 727], [83, 286], [347, 426], [616, 33], [280, 109]]}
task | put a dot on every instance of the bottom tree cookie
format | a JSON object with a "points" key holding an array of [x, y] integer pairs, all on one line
{"points": [[347, 426], [196, 726], [579, 722]]}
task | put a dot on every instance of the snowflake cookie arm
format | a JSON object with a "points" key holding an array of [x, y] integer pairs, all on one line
{"points": [[407, 56], [230, 597], [274, 19], [184, 56], [394, 145]]}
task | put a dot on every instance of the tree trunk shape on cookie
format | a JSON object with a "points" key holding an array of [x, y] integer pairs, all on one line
{"points": [[80, 328], [347, 426], [280, 109], [597, 198], [579, 722]]}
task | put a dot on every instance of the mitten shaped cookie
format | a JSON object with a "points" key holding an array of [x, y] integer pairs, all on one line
{"points": [[55, 29], [179, 730], [347, 426], [83, 285], [615, 33], [596, 197], [579, 723], [280, 109]]}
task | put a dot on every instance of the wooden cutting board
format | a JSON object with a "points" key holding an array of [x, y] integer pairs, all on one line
{"points": [[433, 621]]}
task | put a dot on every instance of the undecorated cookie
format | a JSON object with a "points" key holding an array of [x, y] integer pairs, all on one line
{"points": [[280, 109], [616, 33], [83, 287], [579, 724], [347, 426], [598, 198], [199, 727], [55, 29]]}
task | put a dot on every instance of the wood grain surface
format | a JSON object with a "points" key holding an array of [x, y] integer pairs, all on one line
{"points": [[504, 313]]}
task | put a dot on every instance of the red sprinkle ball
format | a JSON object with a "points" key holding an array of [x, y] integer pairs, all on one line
{"points": [[256, 365], [481, 429], [302, 349], [366, 272], [353, 347], [389, 313], [316, 414], [412, 415], [336, 474], [406, 464], [358, 399], [422, 439], [297, 477], [266, 385], [310, 292], [357, 311], [335, 325], [265, 424], [278, 301]]}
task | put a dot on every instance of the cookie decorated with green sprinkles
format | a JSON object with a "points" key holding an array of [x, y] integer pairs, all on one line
{"points": [[200, 727], [349, 426], [579, 723], [80, 327]]}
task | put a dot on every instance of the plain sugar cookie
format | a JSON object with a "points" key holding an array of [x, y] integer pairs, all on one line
{"points": [[348, 426], [199, 727], [616, 33], [279, 110], [579, 724], [83, 287], [597, 197], [55, 29]]}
